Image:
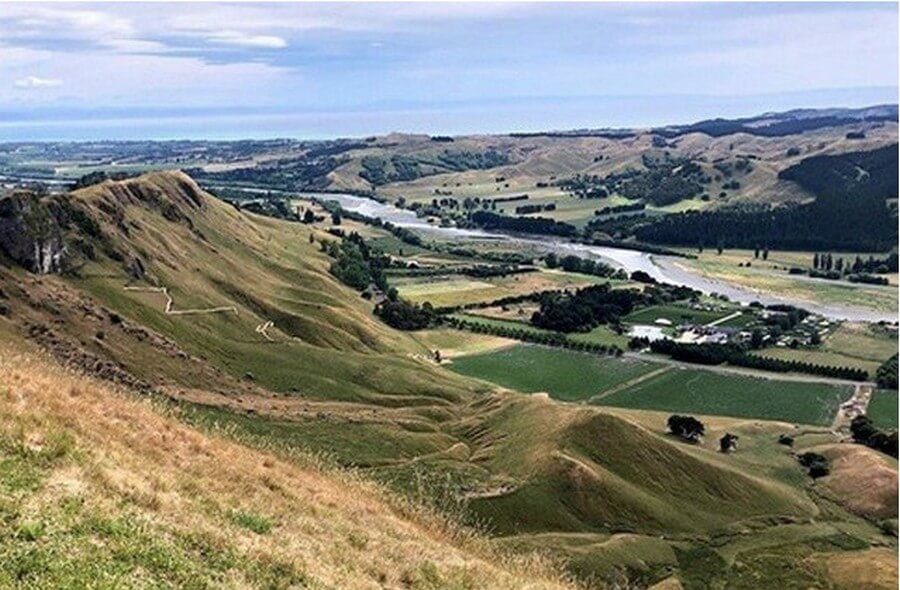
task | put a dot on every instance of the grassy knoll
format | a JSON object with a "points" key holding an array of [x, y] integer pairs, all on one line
{"points": [[564, 374], [883, 409], [706, 392], [674, 313]]}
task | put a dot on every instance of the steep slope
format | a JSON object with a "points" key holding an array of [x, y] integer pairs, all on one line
{"points": [[232, 271], [101, 489]]}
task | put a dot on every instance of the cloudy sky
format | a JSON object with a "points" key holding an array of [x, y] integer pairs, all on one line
{"points": [[84, 71]]}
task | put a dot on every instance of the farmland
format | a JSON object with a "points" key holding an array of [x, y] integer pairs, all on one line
{"points": [[883, 409], [705, 392], [764, 276], [453, 290], [676, 314], [565, 375]]}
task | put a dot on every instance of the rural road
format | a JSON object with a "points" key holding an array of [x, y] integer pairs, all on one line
{"points": [[853, 407]]}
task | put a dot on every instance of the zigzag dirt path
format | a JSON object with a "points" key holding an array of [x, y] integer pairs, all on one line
{"points": [[261, 329], [170, 303]]}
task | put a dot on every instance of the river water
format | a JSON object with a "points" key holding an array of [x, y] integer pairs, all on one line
{"points": [[663, 268]]}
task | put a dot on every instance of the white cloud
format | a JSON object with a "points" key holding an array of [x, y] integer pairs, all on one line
{"points": [[36, 82], [242, 39]]}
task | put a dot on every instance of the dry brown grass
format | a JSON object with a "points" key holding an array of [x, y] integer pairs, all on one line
{"points": [[874, 569], [864, 480], [338, 530]]}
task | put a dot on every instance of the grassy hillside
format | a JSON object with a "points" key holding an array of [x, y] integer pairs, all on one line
{"points": [[100, 489]]}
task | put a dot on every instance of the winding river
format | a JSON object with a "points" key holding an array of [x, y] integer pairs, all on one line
{"points": [[662, 268]]}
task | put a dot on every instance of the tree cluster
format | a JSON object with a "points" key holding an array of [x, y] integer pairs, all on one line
{"points": [[816, 464], [586, 308], [528, 225], [572, 263], [886, 376], [866, 433], [404, 315], [355, 264], [849, 213], [686, 428]]}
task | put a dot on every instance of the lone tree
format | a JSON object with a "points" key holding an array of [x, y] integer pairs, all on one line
{"points": [[728, 442], [816, 465], [686, 427], [786, 440], [309, 216]]}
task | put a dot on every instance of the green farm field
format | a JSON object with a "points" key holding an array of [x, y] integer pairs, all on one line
{"points": [[564, 374], [883, 409], [676, 314], [706, 392]]}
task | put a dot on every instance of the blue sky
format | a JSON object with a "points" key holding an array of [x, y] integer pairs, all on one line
{"points": [[88, 71]]}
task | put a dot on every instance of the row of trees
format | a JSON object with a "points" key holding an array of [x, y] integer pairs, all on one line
{"points": [[525, 335], [733, 354], [529, 225]]}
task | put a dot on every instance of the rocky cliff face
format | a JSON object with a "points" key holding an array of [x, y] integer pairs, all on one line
{"points": [[30, 233]]}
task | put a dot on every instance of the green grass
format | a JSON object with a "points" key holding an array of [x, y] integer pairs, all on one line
{"points": [[602, 335], [883, 409], [705, 392], [257, 523], [70, 542], [512, 324], [564, 374], [675, 313]]}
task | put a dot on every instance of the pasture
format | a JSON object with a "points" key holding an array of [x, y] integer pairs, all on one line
{"points": [[675, 313], [883, 409], [701, 391], [451, 290], [763, 276], [565, 375]]}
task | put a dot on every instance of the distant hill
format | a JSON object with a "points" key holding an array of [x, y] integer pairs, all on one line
{"points": [[785, 123], [851, 212]]}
